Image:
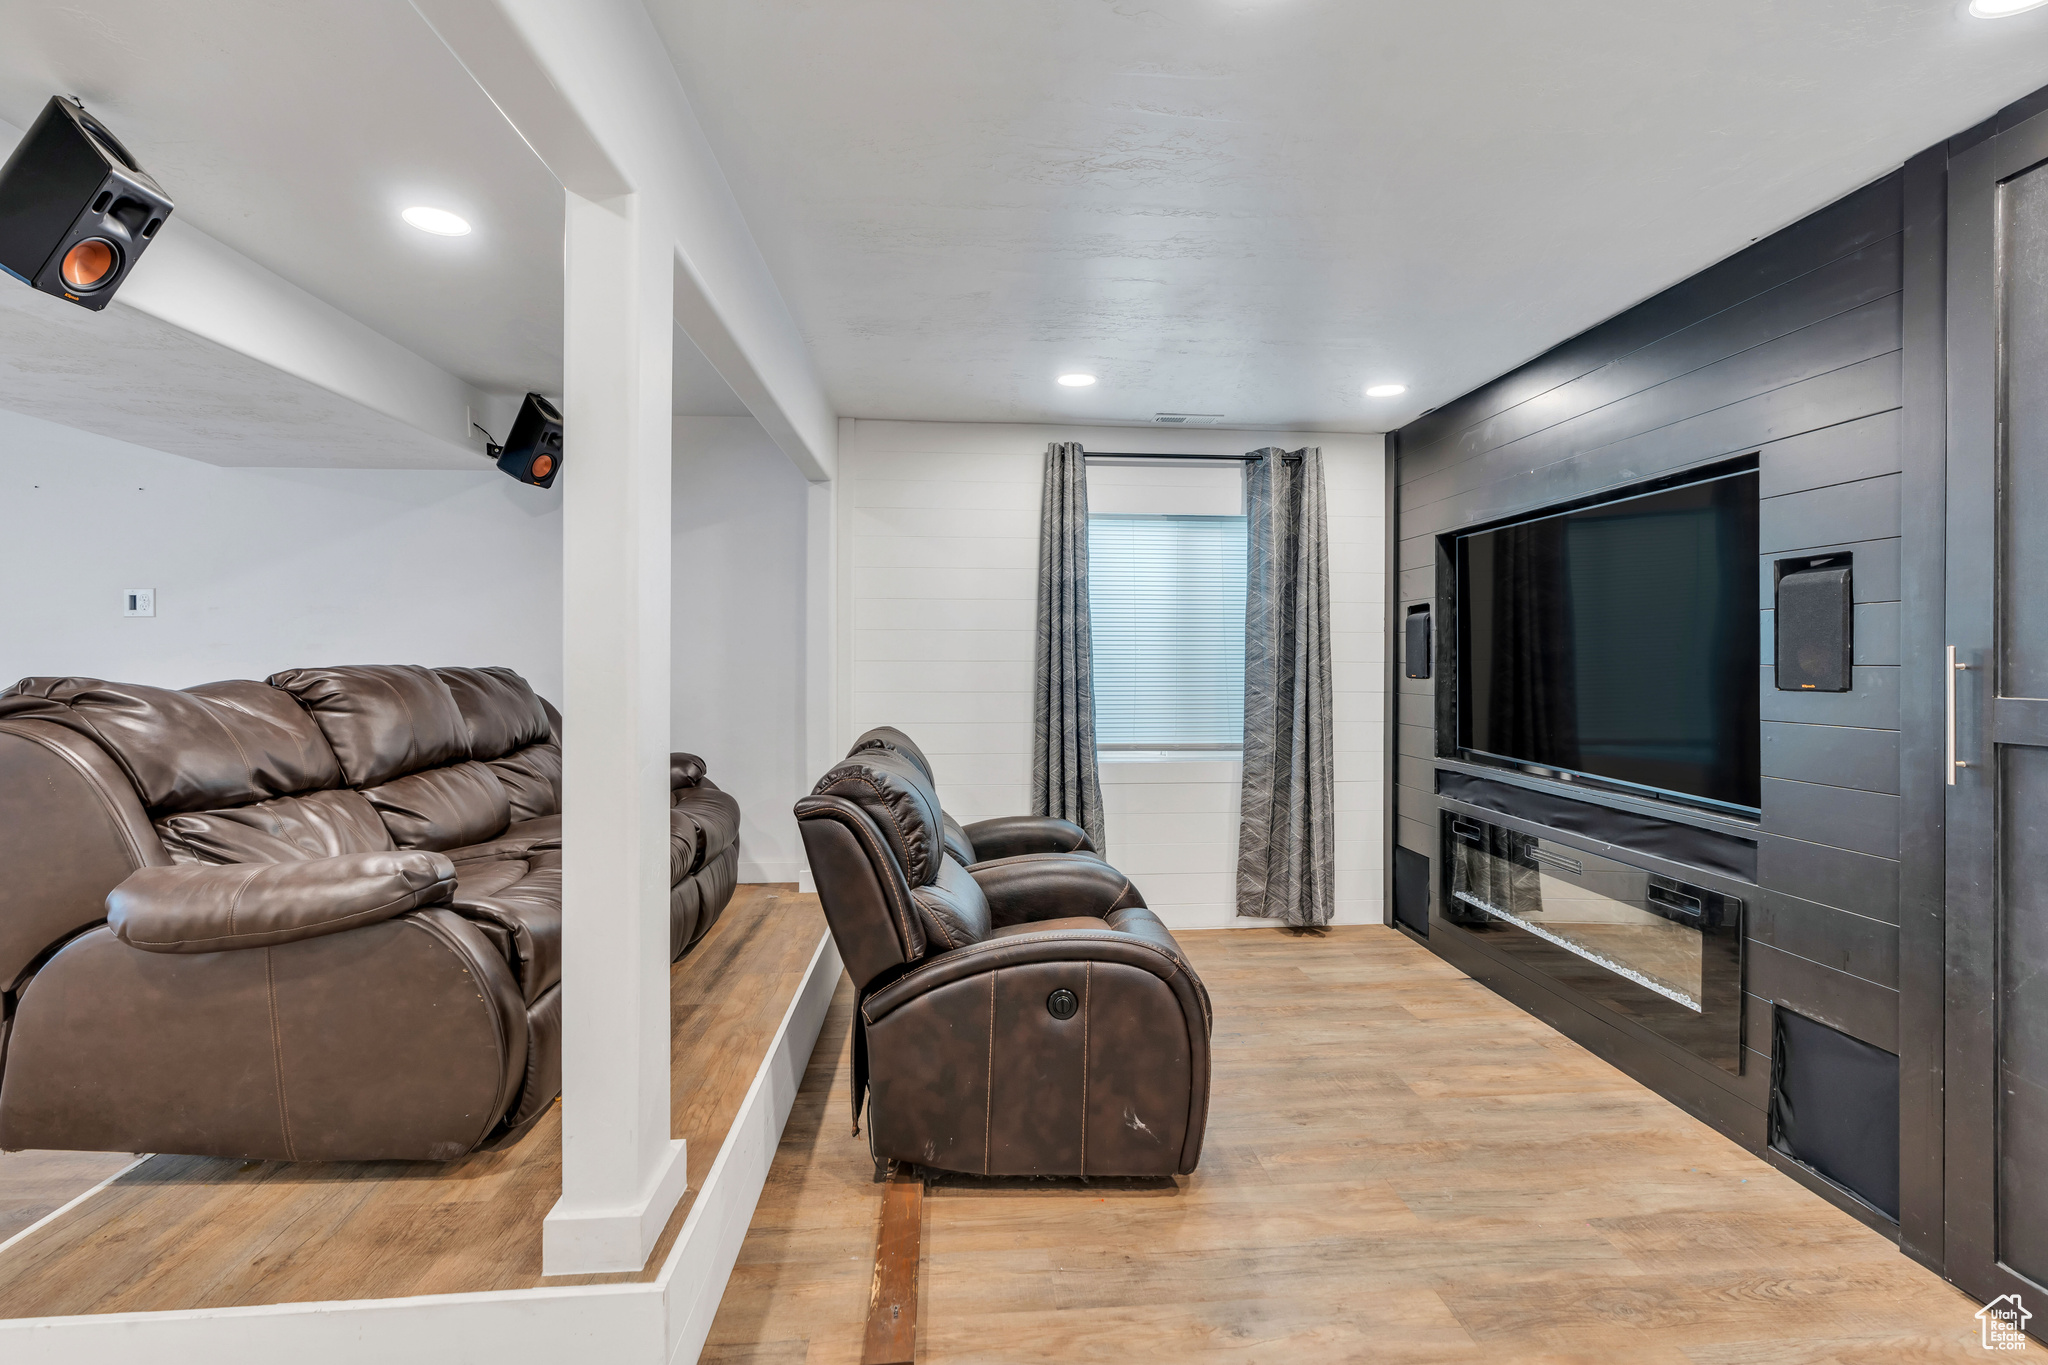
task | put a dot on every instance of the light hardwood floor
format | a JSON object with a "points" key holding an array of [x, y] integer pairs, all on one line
{"points": [[1400, 1166], [197, 1232]]}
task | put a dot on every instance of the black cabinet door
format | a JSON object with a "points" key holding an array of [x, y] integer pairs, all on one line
{"points": [[1996, 1008]]}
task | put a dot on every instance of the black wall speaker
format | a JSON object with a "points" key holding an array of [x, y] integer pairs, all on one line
{"points": [[533, 452], [1814, 623], [75, 210], [1416, 645]]}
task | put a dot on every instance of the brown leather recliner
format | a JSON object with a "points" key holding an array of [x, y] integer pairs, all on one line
{"points": [[1024, 1017], [314, 919], [1005, 836]]}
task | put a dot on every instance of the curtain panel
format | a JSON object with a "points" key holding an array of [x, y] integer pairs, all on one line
{"points": [[1064, 779], [1286, 847]]}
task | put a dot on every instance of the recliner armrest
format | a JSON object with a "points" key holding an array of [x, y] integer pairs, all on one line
{"points": [[208, 908], [1146, 944], [684, 770], [1008, 836], [1036, 886]]}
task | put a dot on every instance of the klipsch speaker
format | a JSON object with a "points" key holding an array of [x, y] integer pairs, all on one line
{"points": [[75, 210], [1415, 648], [1814, 625], [532, 453]]}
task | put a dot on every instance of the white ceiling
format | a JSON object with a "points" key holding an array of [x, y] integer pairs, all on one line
{"points": [[1245, 207], [1254, 207]]}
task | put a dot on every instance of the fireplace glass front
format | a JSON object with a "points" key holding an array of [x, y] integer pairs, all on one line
{"points": [[1663, 952]]}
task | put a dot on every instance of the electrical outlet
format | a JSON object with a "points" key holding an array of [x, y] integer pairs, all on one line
{"points": [[138, 601]]}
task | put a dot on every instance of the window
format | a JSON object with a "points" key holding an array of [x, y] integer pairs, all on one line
{"points": [[1166, 606]]}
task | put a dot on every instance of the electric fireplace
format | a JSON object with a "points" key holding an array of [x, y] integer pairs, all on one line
{"points": [[1662, 952]]}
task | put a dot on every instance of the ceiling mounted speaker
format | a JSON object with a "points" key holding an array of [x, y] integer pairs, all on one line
{"points": [[533, 452], [75, 210]]}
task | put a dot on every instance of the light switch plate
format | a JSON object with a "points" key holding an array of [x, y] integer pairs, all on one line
{"points": [[138, 601]]}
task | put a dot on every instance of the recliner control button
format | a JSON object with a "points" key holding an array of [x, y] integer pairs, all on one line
{"points": [[1062, 1004]]}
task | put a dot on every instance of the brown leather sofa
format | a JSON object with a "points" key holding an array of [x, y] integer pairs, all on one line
{"points": [[1005, 836], [1027, 1016], [318, 918]]}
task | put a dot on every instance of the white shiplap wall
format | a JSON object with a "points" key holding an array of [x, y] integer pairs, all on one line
{"points": [[938, 545]]}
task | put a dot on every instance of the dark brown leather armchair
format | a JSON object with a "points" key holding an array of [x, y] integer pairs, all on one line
{"points": [[1005, 836], [318, 918], [1027, 1016]]}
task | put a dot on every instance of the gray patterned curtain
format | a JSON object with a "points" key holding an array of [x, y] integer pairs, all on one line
{"points": [[1064, 780], [1286, 841]]}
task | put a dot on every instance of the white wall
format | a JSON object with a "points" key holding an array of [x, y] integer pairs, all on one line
{"points": [[938, 545], [738, 674], [258, 570]]}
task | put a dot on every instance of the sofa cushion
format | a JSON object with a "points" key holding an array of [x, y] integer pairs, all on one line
{"points": [[443, 808], [499, 708], [894, 792], [287, 829], [219, 744], [381, 720], [526, 910], [954, 910], [532, 778]]}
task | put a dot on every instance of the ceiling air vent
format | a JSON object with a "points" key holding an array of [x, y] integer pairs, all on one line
{"points": [[1187, 419]]}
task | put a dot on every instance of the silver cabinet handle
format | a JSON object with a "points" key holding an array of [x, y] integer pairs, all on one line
{"points": [[1953, 762]]}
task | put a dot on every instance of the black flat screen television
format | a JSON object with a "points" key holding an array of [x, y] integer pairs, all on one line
{"points": [[1619, 641]]}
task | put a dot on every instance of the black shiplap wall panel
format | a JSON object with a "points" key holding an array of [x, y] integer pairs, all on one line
{"points": [[1839, 396], [1856, 882], [1820, 349], [1840, 756], [1791, 351], [1865, 510], [1873, 704], [1842, 817], [1862, 947], [1417, 741], [1861, 449], [1859, 1008]]}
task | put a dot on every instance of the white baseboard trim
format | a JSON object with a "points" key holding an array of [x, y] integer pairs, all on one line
{"points": [[661, 1322], [770, 870], [577, 1241]]}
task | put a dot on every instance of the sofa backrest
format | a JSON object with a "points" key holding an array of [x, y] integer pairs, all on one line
{"points": [[888, 737], [876, 841], [218, 744], [446, 757]]}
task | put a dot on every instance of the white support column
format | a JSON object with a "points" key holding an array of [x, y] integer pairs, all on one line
{"points": [[622, 1174], [821, 589]]}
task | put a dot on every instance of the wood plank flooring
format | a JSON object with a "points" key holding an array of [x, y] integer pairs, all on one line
{"points": [[194, 1232], [1400, 1166]]}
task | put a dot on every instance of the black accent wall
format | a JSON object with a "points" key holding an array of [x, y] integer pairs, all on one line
{"points": [[1792, 351]]}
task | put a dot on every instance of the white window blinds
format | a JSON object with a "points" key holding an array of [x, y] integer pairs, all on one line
{"points": [[1166, 607]]}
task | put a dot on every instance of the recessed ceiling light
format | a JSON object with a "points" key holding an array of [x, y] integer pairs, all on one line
{"points": [[1077, 381], [1998, 9], [1396, 390], [440, 222]]}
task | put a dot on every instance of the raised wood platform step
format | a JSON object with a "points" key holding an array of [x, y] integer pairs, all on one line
{"points": [[181, 1233]]}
